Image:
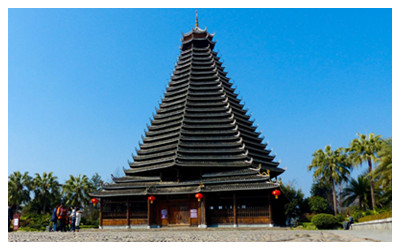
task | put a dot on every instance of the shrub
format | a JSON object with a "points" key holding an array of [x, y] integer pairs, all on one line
{"points": [[307, 226], [380, 216], [35, 222], [340, 218], [357, 215], [325, 221]]}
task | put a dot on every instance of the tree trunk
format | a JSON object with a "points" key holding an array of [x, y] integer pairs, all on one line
{"points": [[371, 184], [334, 196], [44, 208]]}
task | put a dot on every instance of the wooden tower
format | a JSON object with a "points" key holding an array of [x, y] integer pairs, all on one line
{"points": [[201, 141]]}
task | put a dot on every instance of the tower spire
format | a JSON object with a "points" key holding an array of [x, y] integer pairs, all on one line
{"points": [[197, 20]]}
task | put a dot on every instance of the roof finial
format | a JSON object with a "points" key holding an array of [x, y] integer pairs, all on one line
{"points": [[197, 20]]}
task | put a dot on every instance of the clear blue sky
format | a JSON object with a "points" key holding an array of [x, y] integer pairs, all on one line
{"points": [[84, 82]]}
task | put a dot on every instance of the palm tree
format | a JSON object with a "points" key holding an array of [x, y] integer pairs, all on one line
{"points": [[19, 187], [331, 166], [76, 190], [365, 149], [46, 189], [357, 189], [384, 169]]}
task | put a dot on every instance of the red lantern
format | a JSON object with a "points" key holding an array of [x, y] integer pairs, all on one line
{"points": [[199, 196], [151, 199], [276, 192], [94, 201]]}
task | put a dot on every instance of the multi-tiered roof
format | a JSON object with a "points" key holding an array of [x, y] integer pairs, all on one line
{"points": [[201, 138]]}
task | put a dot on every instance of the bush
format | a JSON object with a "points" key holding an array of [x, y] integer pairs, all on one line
{"points": [[307, 226], [340, 218], [325, 221], [35, 222], [88, 226], [380, 216], [90, 216], [307, 217]]}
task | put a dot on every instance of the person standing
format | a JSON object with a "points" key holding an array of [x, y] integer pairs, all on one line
{"points": [[10, 217], [73, 218], [78, 219], [54, 219], [62, 216]]}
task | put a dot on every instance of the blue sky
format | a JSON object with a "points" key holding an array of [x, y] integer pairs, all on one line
{"points": [[82, 83]]}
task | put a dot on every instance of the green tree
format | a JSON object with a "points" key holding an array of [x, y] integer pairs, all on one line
{"points": [[330, 166], [323, 189], [19, 187], [96, 182], [318, 204], [365, 149], [76, 190], [357, 190], [296, 205], [46, 189]]}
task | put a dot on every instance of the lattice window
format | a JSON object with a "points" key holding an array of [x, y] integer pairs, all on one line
{"points": [[138, 210], [220, 208], [252, 208], [114, 210]]}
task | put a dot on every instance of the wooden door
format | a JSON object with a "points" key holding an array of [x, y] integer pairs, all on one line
{"points": [[179, 214]]}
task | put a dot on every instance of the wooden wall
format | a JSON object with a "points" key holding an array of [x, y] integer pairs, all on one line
{"points": [[220, 208]]}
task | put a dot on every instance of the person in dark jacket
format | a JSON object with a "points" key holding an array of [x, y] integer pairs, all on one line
{"points": [[54, 219], [10, 217]]}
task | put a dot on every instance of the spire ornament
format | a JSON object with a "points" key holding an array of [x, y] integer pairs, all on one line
{"points": [[197, 20]]}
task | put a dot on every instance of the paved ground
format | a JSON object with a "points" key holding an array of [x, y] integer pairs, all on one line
{"points": [[204, 235]]}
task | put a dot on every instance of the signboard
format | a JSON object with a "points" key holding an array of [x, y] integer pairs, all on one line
{"points": [[164, 214], [193, 213], [16, 222]]}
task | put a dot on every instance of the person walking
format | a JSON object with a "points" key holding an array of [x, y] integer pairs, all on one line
{"points": [[78, 218], [54, 220], [73, 218]]}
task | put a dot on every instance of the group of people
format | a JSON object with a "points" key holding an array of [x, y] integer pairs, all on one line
{"points": [[66, 220]]}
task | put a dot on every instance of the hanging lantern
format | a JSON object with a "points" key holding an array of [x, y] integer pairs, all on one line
{"points": [[199, 196], [94, 201], [151, 199], [276, 192]]}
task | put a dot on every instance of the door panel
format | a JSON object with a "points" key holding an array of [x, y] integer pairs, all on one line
{"points": [[179, 214]]}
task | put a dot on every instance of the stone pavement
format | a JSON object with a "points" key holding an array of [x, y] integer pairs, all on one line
{"points": [[202, 235]]}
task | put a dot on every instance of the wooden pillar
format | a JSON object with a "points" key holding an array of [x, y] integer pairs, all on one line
{"points": [[234, 211], [270, 207], [101, 214], [128, 214], [199, 213], [203, 212], [148, 214]]}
